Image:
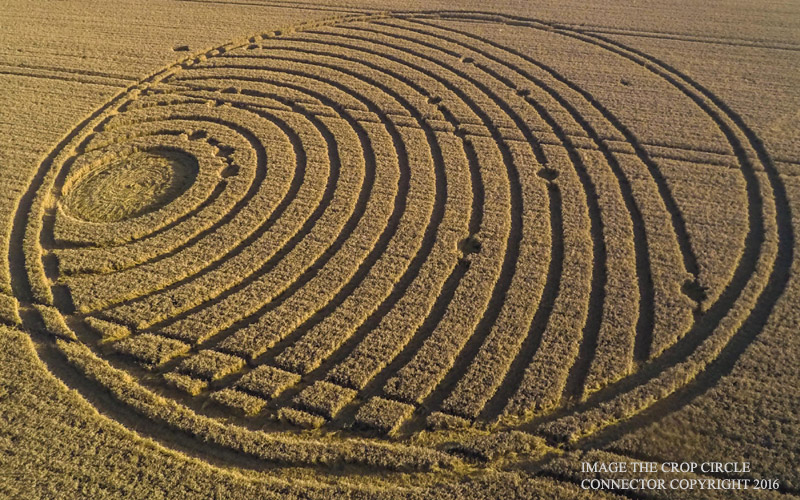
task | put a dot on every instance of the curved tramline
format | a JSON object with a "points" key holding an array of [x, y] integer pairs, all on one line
{"points": [[315, 244]]}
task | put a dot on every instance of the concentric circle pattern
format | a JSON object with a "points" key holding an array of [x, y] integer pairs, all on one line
{"points": [[379, 225]]}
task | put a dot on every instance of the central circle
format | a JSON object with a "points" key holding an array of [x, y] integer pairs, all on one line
{"points": [[131, 186]]}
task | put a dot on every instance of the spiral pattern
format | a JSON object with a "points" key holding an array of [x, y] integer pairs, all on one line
{"points": [[382, 224]]}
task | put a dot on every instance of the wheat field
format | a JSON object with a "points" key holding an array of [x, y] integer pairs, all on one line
{"points": [[256, 249]]}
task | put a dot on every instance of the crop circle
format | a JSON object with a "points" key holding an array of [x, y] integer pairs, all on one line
{"points": [[394, 225]]}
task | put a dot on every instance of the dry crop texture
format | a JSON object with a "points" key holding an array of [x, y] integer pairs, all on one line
{"points": [[432, 251]]}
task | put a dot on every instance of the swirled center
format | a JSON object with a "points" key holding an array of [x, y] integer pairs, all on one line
{"points": [[131, 186]]}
